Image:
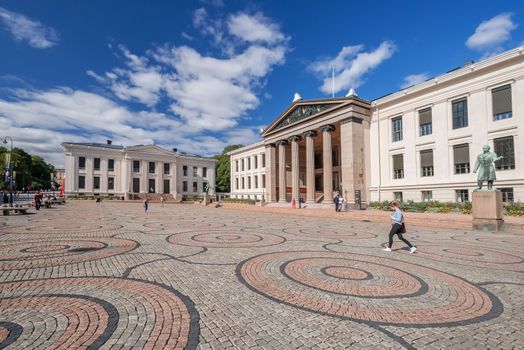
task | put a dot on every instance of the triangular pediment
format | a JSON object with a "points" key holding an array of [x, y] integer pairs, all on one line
{"points": [[151, 149]]}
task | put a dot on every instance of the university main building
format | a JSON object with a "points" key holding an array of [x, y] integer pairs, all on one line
{"points": [[418, 144]]}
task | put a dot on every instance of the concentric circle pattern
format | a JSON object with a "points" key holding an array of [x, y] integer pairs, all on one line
{"points": [[183, 225], [343, 285], [86, 313], [326, 232], [27, 254], [225, 239], [65, 227]]}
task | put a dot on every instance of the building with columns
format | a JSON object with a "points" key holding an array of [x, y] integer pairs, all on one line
{"points": [[131, 172], [419, 143], [249, 166]]}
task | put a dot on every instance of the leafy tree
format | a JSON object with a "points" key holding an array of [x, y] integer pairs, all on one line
{"points": [[223, 169], [30, 170]]}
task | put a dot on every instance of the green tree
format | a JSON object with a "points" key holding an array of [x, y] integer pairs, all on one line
{"points": [[223, 170], [40, 173], [30, 170]]}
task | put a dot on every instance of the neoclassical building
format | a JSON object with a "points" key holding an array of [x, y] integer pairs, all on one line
{"points": [[128, 172], [419, 143]]}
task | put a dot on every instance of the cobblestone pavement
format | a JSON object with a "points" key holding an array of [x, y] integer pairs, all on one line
{"points": [[109, 276]]}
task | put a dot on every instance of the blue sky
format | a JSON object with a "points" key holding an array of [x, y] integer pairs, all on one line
{"points": [[199, 75]]}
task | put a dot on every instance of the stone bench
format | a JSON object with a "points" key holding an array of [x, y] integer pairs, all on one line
{"points": [[8, 210]]}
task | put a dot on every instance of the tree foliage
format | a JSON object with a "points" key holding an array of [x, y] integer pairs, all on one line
{"points": [[223, 169], [29, 170]]}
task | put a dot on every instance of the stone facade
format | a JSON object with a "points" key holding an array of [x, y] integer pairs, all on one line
{"points": [[248, 172]]}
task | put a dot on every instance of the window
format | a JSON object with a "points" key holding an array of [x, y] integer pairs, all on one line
{"points": [[461, 158], [426, 162], [461, 195], [397, 196], [427, 196], [396, 124], [195, 186], [334, 156], [263, 160], [136, 166], [110, 183], [195, 171], [318, 161], [507, 194], [256, 181], [184, 170], [501, 98], [263, 181], [256, 162], [184, 186], [236, 183], [398, 166], [166, 186], [249, 182], [204, 172], [504, 147], [459, 108], [136, 185], [111, 165], [82, 182], [167, 168], [242, 168], [96, 182], [249, 163], [425, 122], [152, 186], [243, 183], [236, 166], [151, 167], [81, 162], [96, 164]]}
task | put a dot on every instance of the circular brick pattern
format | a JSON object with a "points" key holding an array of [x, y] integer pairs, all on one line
{"points": [[326, 232], [161, 226], [28, 254], [342, 285], [225, 239], [69, 228], [87, 313]]}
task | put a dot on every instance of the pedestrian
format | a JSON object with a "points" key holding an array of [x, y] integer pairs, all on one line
{"points": [[398, 227], [162, 200], [146, 205], [38, 200], [336, 200]]}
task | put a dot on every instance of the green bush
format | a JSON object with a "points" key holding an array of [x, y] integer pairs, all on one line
{"points": [[514, 209], [239, 200]]}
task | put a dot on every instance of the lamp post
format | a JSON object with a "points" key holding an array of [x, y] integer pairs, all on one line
{"points": [[10, 170]]}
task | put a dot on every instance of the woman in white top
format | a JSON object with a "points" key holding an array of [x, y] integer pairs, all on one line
{"points": [[397, 225]]}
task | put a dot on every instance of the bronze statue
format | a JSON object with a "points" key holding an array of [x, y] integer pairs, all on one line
{"points": [[206, 188], [485, 166]]}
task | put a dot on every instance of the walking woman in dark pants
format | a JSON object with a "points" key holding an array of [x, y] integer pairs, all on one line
{"points": [[397, 227]]}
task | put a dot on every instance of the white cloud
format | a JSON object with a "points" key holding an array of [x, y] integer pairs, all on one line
{"points": [[22, 28], [491, 34], [350, 65], [255, 28], [414, 79]]}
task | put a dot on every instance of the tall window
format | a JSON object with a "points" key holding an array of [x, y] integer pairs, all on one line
{"points": [[425, 122], [461, 158], [167, 168], [236, 166], [256, 161], [459, 108], [136, 166], [263, 181], [204, 172], [396, 124], [507, 194], [195, 186], [96, 182], [195, 171], [398, 196], [166, 186], [504, 147], [249, 163], [243, 183], [427, 196], [110, 183], [256, 181], [136, 185], [249, 182], [82, 182], [236, 183], [111, 165], [81, 162], [184, 170], [151, 167], [461, 195], [96, 164], [184, 186], [426, 162], [242, 168], [263, 160], [398, 166], [152, 186], [501, 98]]}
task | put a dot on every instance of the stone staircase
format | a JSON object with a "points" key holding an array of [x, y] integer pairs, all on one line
{"points": [[155, 197]]}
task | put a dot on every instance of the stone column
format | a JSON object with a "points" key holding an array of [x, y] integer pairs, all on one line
{"points": [[282, 170], [295, 168], [310, 165], [173, 181], [271, 174], [327, 157], [159, 177], [144, 176], [352, 158]]}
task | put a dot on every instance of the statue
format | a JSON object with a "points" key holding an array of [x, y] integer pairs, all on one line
{"points": [[486, 169], [206, 188]]}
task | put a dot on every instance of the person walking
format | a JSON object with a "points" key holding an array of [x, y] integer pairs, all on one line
{"points": [[146, 204], [336, 200], [398, 227], [162, 200]]}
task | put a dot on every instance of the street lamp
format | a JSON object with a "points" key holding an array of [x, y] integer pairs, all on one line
{"points": [[10, 170]]}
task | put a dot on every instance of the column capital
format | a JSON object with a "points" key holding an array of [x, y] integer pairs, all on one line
{"points": [[353, 119], [310, 133], [282, 142], [269, 145], [328, 128], [295, 138]]}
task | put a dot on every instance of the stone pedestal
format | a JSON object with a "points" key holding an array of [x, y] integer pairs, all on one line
{"points": [[206, 200], [487, 211]]}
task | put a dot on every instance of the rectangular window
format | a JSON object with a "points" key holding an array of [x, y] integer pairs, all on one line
{"points": [[249, 182], [505, 147], [204, 172], [96, 182], [136, 166], [195, 186], [195, 171], [136, 185], [184, 186], [256, 162], [236, 166], [152, 186], [425, 122], [82, 182], [249, 163], [236, 183], [318, 161], [426, 162], [81, 162], [151, 167], [256, 181], [243, 183], [397, 196], [398, 166], [507, 194], [461, 195], [263, 160], [501, 98], [334, 156], [184, 170], [396, 124], [427, 196], [96, 164], [459, 108], [111, 165], [167, 168], [110, 183], [242, 168], [263, 181], [166, 186], [461, 158]]}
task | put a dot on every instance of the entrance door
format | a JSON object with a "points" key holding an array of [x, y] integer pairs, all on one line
{"points": [[166, 186], [336, 182], [136, 185], [152, 186]]}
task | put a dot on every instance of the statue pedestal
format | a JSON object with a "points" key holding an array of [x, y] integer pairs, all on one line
{"points": [[206, 200], [487, 211]]}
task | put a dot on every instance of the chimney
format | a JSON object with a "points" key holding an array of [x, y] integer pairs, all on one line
{"points": [[175, 150], [468, 63], [109, 142]]}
